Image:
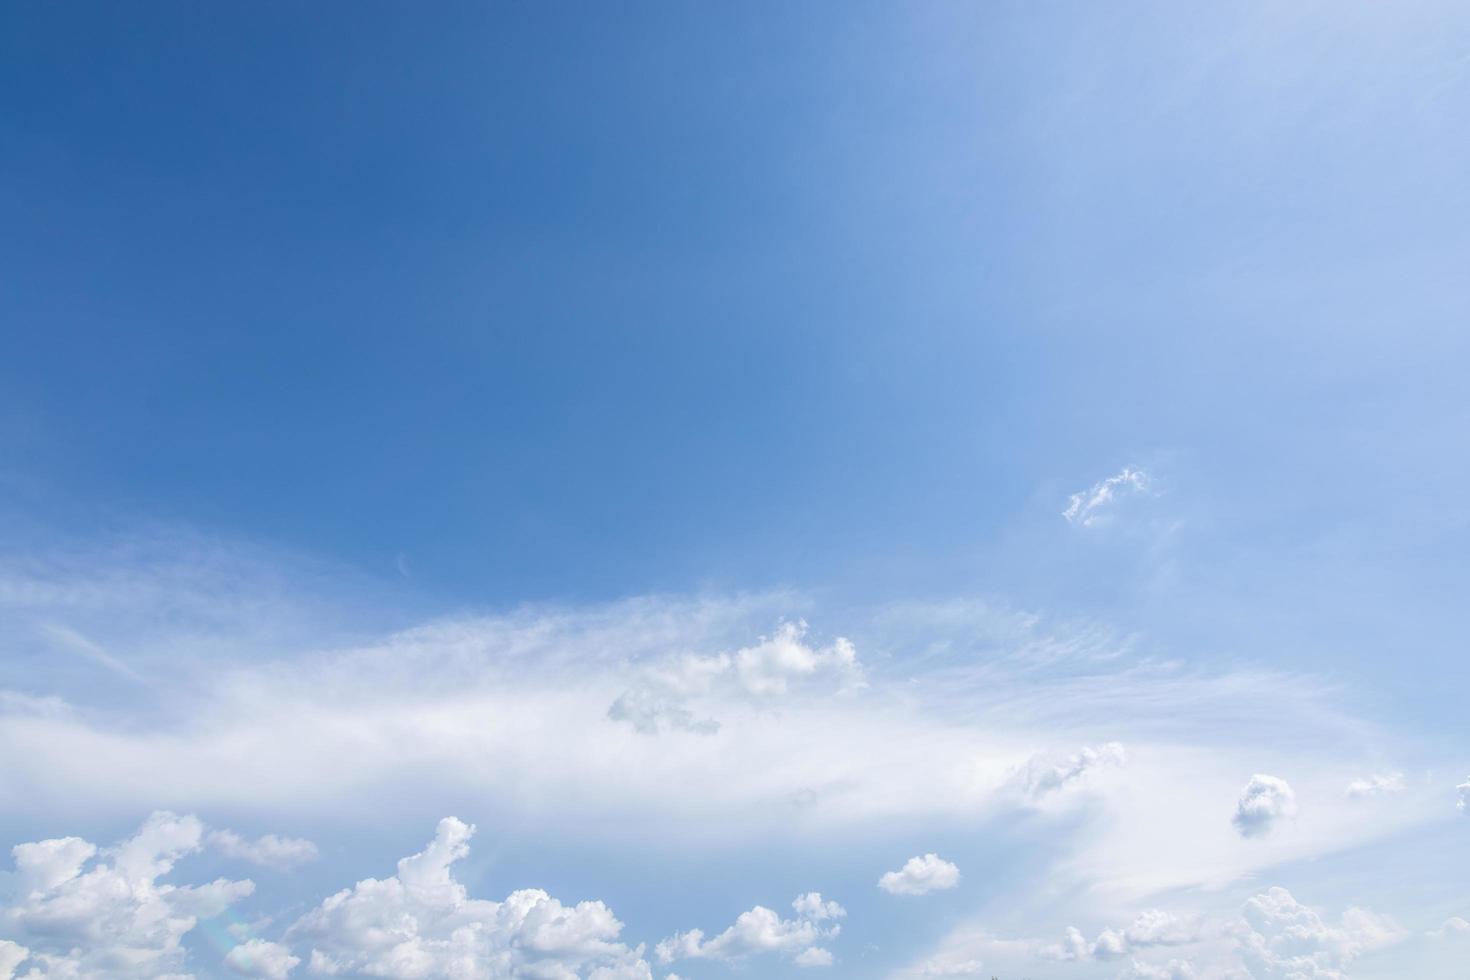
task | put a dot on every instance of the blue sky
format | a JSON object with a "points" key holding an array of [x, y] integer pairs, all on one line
{"points": [[723, 453]]}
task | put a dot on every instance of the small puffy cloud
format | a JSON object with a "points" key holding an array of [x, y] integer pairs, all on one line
{"points": [[1284, 939], [116, 919], [921, 875], [1151, 928], [422, 923], [813, 956], [768, 669], [1379, 784], [1453, 926], [282, 853], [763, 931], [1045, 774], [1091, 506], [1464, 790], [1263, 802], [262, 960]]}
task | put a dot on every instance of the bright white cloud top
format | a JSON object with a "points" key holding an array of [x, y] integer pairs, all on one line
{"points": [[920, 876], [1264, 802], [762, 930]]}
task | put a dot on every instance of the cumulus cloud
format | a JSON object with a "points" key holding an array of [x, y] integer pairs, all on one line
{"points": [[270, 851], [12, 955], [921, 875], [1453, 926], [261, 959], [1151, 928], [1172, 970], [770, 668], [1044, 774], [1264, 801], [1379, 784], [1284, 939], [1464, 790], [421, 923], [115, 919], [1091, 506], [761, 930]]}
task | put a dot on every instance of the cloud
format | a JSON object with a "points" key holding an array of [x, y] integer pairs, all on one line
{"points": [[921, 875], [116, 919], [1045, 774], [1453, 926], [1464, 790], [1091, 506], [1381, 784], [421, 923], [771, 668], [763, 931], [12, 955], [1172, 970], [262, 959], [1285, 939], [1151, 928], [1263, 802], [270, 851]]}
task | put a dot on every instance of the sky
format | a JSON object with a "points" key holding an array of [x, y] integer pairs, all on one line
{"points": [[658, 491]]}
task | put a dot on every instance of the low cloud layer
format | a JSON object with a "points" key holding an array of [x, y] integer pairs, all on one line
{"points": [[1093, 505], [762, 930]]}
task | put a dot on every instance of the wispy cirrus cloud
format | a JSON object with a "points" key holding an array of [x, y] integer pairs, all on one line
{"points": [[1093, 506]]}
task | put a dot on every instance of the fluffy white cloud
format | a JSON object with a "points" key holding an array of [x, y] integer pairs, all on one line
{"points": [[422, 924], [1090, 507], [763, 931], [1285, 939], [116, 920], [921, 875], [1172, 970], [1379, 784], [1464, 790], [12, 955], [770, 668], [1045, 774], [1453, 926], [1263, 802], [261, 959], [1151, 928], [269, 851]]}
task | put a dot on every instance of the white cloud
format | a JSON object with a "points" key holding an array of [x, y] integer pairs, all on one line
{"points": [[813, 956], [960, 968], [1379, 784], [1172, 970], [1464, 790], [1453, 926], [1151, 928], [763, 931], [1285, 939], [116, 920], [1045, 774], [771, 668], [921, 875], [12, 955], [269, 851], [1090, 507], [422, 924], [1263, 802], [262, 959]]}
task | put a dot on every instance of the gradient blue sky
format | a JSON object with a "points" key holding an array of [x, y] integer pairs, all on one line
{"points": [[380, 357]]}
